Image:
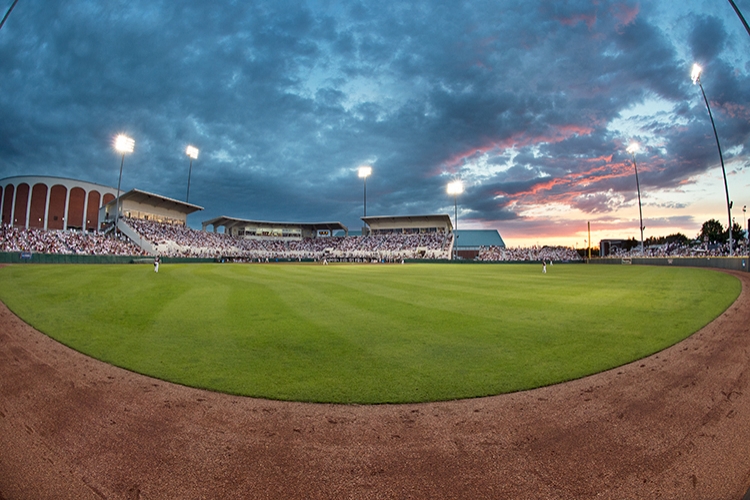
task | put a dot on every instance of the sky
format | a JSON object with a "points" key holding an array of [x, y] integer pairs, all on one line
{"points": [[531, 104]]}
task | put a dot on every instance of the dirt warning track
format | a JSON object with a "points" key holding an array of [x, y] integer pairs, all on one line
{"points": [[673, 425]]}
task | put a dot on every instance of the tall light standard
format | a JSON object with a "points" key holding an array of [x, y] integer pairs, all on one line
{"points": [[364, 172], [747, 234], [455, 188], [696, 76], [192, 152], [632, 149], [123, 144]]}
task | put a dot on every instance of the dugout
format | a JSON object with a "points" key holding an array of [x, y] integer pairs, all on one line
{"points": [[289, 231]]}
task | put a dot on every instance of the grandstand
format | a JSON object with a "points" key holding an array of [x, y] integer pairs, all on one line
{"points": [[35, 208], [47, 202], [176, 240], [244, 228], [139, 204]]}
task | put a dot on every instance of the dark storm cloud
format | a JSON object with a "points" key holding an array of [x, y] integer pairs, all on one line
{"points": [[285, 99]]}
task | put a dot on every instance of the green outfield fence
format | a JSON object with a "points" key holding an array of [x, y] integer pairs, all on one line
{"points": [[730, 263], [51, 258]]}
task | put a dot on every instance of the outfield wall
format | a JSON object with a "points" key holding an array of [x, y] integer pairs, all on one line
{"points": [[730, 263], [49, 258]]}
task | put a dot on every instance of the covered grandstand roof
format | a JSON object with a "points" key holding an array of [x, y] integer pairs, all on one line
{"points": [[475, 238], [157, 200], [229, 222], [397, 219]]}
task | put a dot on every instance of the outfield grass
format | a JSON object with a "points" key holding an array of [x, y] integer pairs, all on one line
{"points": [[366, 333]]}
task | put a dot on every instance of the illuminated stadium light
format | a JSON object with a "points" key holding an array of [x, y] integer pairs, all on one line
{"points": [[192, 152], [696, 76], [633, 149], [455, 188], [123, 144], [364, 172]]}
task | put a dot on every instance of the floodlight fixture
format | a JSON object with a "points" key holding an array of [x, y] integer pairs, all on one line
{"points": [[633, 149], [364, 171], [455, 187], [192, 152], [696, 76], [123, 144]]}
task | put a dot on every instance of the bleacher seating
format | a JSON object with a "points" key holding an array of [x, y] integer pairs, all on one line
{"points": [[15, 239]]}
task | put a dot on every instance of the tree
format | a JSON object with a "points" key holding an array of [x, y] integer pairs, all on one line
{"points": [[713, 232], [738, 233], [678, 238], [630, 244]]}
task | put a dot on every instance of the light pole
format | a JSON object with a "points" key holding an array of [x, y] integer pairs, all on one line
{"points": [[747, 235], [455, 188], [364, 172], [123, 144], [192, 152], [696, 76], [739, 14], [632, 149]]}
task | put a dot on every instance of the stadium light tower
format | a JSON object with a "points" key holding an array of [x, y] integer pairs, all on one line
{"points": [[364, 172], [747, 234], [123, 144], [696, 76], [633, 149], [455, 188], [192, 152]]}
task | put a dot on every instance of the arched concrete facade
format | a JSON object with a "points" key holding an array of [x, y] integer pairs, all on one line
{"points": [[45, 202]]}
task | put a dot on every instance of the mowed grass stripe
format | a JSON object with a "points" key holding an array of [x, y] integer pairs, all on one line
{"points": [[366, 333]]}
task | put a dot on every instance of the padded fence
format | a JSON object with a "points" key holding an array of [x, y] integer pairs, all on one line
{"points": [[730, 263], [48, 258]]}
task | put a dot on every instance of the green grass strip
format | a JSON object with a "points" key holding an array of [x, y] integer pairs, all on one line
{"points": [[366, 333]]}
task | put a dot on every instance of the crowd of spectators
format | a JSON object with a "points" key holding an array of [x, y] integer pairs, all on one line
{"points": [[172, 240], [678, 250], [534, 253], [181, 241], [16, 239]]}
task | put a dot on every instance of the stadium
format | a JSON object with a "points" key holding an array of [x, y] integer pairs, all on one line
{"points": [[268, 334], [77, 427]]}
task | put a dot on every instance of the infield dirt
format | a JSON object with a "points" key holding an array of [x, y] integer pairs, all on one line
{"points": [[673, 425]]}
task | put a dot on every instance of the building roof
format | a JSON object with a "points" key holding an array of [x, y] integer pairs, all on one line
{"points": [[50, 179], [475, 238], [396, 219], [229, 222], [156, 200]]}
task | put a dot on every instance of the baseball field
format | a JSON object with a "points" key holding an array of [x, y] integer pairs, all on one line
{"points": [[366, 333]]}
